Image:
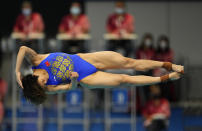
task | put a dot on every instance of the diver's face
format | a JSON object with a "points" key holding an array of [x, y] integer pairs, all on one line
{"points": [[42, 81]]}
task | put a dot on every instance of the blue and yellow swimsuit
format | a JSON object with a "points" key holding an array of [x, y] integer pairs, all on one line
{"points": [[58, 66]]}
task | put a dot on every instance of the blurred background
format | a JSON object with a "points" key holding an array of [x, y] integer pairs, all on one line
{"points": [[166, 30]]}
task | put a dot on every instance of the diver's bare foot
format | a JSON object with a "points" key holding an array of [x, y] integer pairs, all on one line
{"points": [[178, 68], [174, 76]]}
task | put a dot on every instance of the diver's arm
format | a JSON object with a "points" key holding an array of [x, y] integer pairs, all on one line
{"points": [[53, 89], [23, 51], [63, 88]]}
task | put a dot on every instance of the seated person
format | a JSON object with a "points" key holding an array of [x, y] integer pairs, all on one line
{"points": [[3, 91], [75, 24], [28, 22], [120, 24], [156, 111], [165, 53], [146, 50]]}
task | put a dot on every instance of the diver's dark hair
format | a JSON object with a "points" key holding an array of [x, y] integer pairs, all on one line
{"points": [[32, 91]]}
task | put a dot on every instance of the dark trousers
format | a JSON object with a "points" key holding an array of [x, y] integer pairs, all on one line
{"points": [[157, 125], [169, 91], [29, 43], [126, 45], [74, 46], [144, 91]]}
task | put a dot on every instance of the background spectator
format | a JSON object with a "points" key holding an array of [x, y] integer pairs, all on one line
{"points": [[1, 55], [3, 91], [28, 21], [165, 53], [120, 24], [156, 111], [146, 50], [74, 25]]}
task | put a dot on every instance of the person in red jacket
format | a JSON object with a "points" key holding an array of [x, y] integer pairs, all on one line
{"points": [[120, 24], [28, 21], [74, 24], [156, 111], [3, 91], [165, 53], [146, 50]]}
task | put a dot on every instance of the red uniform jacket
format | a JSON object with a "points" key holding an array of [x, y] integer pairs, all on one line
{"points": [[34, 25], [115, 23], [75, 26]]}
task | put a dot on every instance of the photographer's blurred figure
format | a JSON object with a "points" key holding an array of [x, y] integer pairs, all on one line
{"points": [[156, 111], [28, 22], [74, 25], [120, 24]]}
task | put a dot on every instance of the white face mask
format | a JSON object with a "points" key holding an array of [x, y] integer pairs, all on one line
{"points": [[119, 10], [75, 10], [148, 42], [163, 45], [26, 11]]}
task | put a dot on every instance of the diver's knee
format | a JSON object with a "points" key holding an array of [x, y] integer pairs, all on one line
{"points": [[128, 62]]}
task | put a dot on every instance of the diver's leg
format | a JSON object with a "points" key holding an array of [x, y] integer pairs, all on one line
{"points": [[108, 79], [113, 60]]}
